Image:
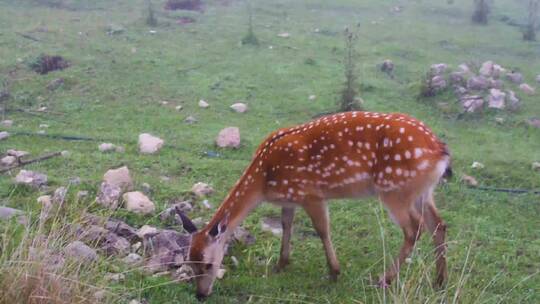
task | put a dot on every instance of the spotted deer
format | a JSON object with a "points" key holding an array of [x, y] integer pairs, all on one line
{"points": [[346, 155]]}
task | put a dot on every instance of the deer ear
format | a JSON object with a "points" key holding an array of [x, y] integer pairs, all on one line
{"points": [[219, 227], [186, 222]]}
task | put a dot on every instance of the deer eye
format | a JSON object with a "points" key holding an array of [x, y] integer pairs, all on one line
{"points": [[208, 266]]}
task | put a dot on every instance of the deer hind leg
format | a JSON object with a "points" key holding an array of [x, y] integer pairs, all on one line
{"points": [[410, 221], [437, 228], [318, 212], [287, 217]]}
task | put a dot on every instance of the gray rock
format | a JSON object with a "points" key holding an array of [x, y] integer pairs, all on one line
{"points": [[457, 78], [203, 104], [514, 77], [31, 178], [8, 160], [535, 166], [149, 144], [512, 101], [202, 189], [464, 68], [59, 195], [387, 66], [17, 153], [55, 84], [472, 103], [81, 252], [146, 189], [170, 212], [496, 84], [82, 194], [438, 69], [146, 231], [496, 99], [243, 236], [138, 202], [4, 135], [190, 120], [115, 29], [8, 123], [228, 138], [534, 122], [107, 147], [115, 277], [6, 213], [538, 79], [168, 249], [119, 177], [132, 259], [478, 83], [184, 273], [239, 107], [527, 89], [273, 225], [438, 83], [498, 71], [109, 195], [487, 69], [121, 229], [115, 245]]}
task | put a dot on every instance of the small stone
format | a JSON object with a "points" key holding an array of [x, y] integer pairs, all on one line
{"points": [[6, 123], [55, 84], [477, 165], [535, 166], [206, 204], [228, 138], [534, 122], [496, 99], [499, 120], [82, 194], [387, 66], [161, 274], [538, 78], [8, 160], [115, 245], [65, 153], [59, 195], [203, 104], [178, 108], [438, 69], [109, 195], [512, 101], [487, 69], [202, 189], [6, 212], [80, 251], [235, 262], [43, 126], [132, 259], [146, 188], [497, 71], [147, 231], [312, 97], [17, 153], [190, 120], [272, 225], [478, 83], [45, 200], [242, 235], [136, 246], [514, 77], [115, 277], [527, 89], [284, 35], [119, 177], [220, 273], [4, 135], [464, 68], [184, 273], [41, 132], [457, 78], [438, 83], [31, 178], [469, 180], [149, 144], [106, 147], [495, 84], [99, 296], [472, 103], [239, 107], [138, 202], [164, 102]]}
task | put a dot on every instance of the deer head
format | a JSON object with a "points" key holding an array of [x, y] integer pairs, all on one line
{"points": [[205, 253]]}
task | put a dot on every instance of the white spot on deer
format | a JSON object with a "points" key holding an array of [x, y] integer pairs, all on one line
{"points": [[402, 130], [397, 157], [407, 154], [388, 170], [417, 152]]}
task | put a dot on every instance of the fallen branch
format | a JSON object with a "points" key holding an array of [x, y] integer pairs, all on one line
{"points": [[31, 161], [506, 190], [28, 37]]}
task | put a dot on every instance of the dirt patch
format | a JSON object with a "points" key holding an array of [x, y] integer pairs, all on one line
{"points": [[188, 5], [45, 64], [185, 20]]}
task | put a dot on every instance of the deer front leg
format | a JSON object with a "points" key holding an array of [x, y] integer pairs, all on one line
{"points": [[318, 212], [287, 217]]}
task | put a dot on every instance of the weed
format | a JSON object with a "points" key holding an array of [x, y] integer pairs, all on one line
{"points": [[349, 100]]}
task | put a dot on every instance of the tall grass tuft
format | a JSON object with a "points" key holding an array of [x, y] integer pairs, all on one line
{"points": [[530, 31], [481, 12], [349, 100]]}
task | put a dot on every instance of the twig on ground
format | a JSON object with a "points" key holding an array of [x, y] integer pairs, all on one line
{"points": [[30, 161]]}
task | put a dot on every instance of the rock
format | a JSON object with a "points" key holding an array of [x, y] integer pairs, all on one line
{"points": [[138, 202], [312, 97], [496, 99], [284, 35], [132, 259], [457, 78], [477, 165], [472, 103], [168, 250], [228, 138], [106, 147], [534, 122], [499, 120], [538, 78], [115, 29], [170, 212], [55, 84], [79, 251], [207, 204], [496, 83], [438, 69], [31, 178], [190, 120], [387, 66], [202, 189], [115, 277], [65, 153], [146, 188], [115, 245], [478, 83], [6, 123], [527, 89], [59, 195], [535, 166], [43, 126], [203, 104], [178, 108], [184, 273], [497, 71], [100, 296], [109, 195], [147, 231], [460, 91], [4, 135], [45, 200], [464, 68], [119, 177], [239, 107], [273, 225], [487, 69], [438, 83], [514, 77], [93, 235], [8, 160], [6, 213], [513, 103], [17, 153], [469, 180], [242, 235], [220, 273], [149, 144], [121, 229], [235, 262]]}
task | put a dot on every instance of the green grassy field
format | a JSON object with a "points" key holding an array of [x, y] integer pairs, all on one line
{"points": [[114, 88]]}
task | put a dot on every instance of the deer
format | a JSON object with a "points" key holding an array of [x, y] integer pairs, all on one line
{"points": [[346, 155]]}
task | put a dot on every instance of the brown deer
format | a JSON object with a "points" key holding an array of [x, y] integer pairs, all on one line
{"points": [[346, 155]]}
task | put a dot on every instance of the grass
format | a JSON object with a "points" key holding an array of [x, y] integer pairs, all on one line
{"points": [[114, 86]]}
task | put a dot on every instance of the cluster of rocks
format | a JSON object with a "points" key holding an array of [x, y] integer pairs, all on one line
{"points": [[475, 91]]}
